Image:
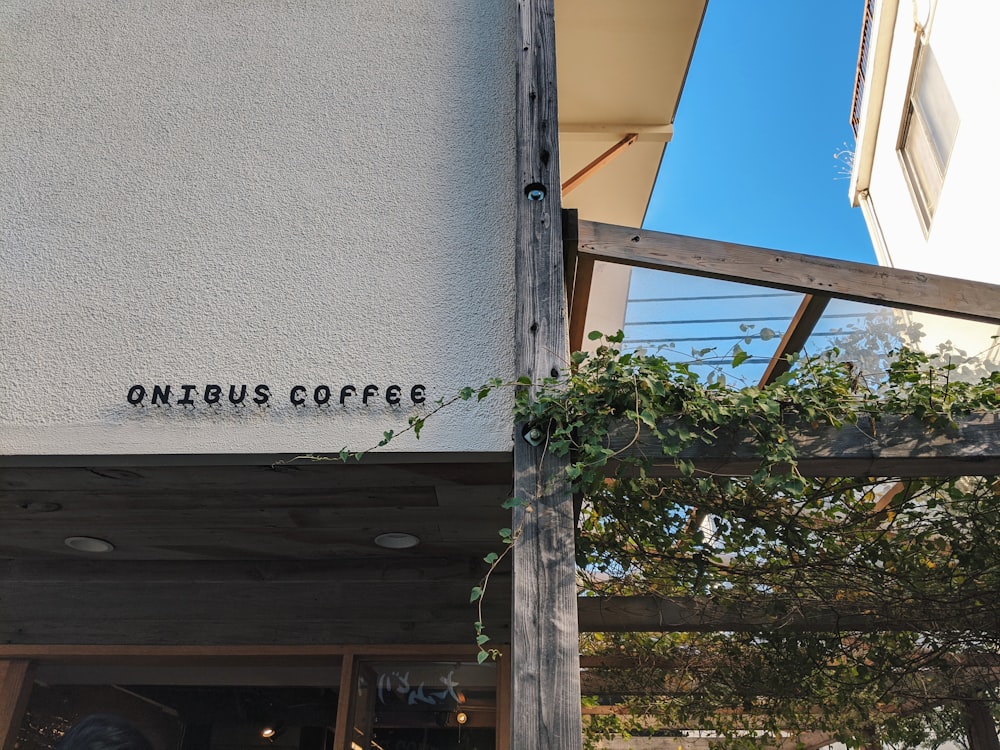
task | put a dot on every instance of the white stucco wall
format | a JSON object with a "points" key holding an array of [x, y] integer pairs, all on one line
{"points": [[962, 241], [212, 192], [962, 36]]}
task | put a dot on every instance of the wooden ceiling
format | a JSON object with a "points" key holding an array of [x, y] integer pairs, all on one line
{"points": [[253, 553]]}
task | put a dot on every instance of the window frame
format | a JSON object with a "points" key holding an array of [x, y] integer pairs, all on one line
{"points": [[928, 133]]}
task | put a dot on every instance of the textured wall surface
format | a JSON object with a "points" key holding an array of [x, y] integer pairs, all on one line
{"points": [[203, 192]]}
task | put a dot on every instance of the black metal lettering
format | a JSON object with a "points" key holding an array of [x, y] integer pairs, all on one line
{"points": [[186, 399], [417, 394], [261, 394], [347, 390], [232, 394], [297, 401], [213, 393], [136, 394], [392, 395], [160, 394], [370, 390], [321, 395]]}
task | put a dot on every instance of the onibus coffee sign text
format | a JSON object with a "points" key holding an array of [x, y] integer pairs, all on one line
{"points": [[261, 394]]}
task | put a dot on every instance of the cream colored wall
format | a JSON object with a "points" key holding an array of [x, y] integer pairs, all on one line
{"points": [[287, 194], [962, 241], [622, 67]]}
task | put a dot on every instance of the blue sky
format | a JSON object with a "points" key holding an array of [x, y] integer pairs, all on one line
{"points": [[765, 106]]}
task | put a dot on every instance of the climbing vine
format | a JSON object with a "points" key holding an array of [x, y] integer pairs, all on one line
{"points": [[918, 555], [794, 562]]}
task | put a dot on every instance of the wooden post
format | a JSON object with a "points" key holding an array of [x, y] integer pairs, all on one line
{"points": [[15, 689], [979, 725], [545, 676]]}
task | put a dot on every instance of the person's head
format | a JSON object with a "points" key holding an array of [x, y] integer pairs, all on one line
{"points": [[103, 732]]}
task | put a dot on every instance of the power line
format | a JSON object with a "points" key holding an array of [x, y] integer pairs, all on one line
{"points": [[713, 296], [727, 320]]}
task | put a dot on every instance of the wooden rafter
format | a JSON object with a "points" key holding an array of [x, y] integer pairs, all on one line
{"points": [[799, 329], [580, 177]]}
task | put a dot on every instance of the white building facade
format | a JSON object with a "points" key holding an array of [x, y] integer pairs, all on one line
{"points": [[925, 160], [266, 229]]}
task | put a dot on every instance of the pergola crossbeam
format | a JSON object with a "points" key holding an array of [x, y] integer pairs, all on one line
{"points": [[806, 274], [638, 614], [890, 447]]}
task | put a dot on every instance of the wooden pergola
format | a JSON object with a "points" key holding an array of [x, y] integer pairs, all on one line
{"points": [[545, 676]]}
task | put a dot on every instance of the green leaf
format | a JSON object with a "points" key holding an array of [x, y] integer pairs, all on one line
{"points": [[648, 417], [476, 594], [491, 558], [482, 656], [481, 639], [466, 393], [523, 380], [594, 335], [512, 502], [740, 357], [766, 334]]}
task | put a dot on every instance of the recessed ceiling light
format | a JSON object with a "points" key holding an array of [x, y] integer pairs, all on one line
{"points": [[397, 540], [88, 544]]}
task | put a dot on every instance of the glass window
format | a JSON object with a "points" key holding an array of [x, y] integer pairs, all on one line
{"points": [[930, 127], [416, 705]]}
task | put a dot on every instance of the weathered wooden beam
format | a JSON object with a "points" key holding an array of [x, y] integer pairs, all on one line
{"points": [[220, 602], [411, 573], [977, 663], [887, 448], [639, 614], [545, 680], [193, 655], [808, 274], [38, 632]]}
